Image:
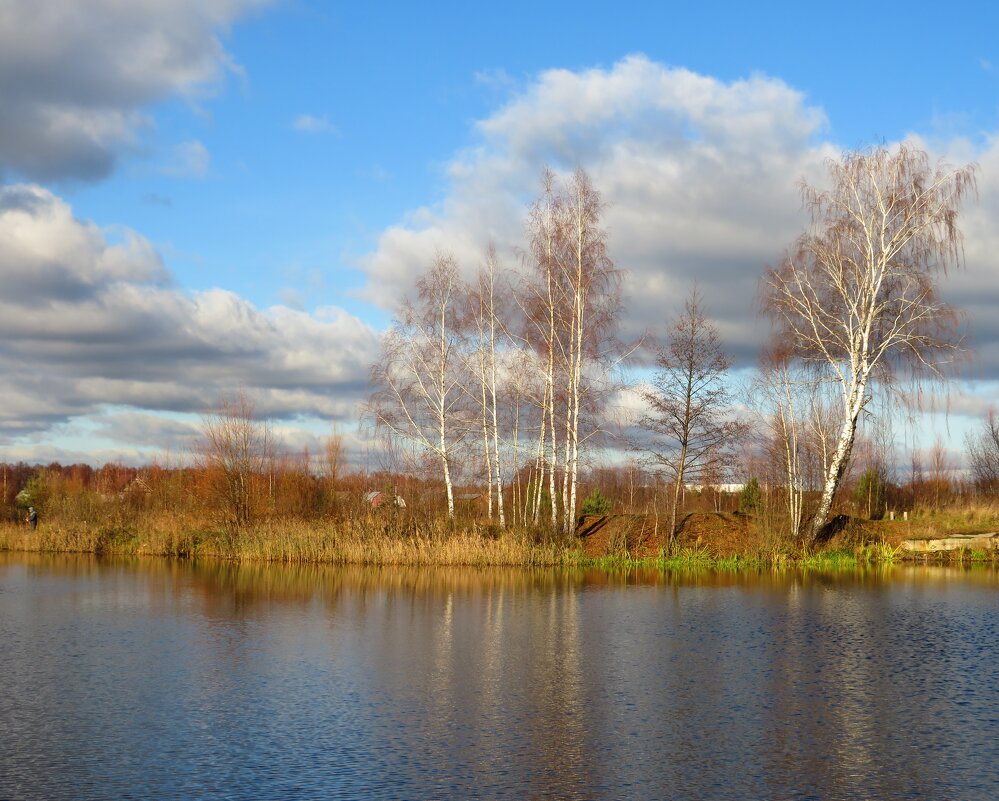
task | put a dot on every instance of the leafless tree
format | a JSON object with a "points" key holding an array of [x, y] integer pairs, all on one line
{"points": [[522, 393], [689, 404], [419, 381], [983, 454], [571, 310], [782, 393], [857, 295], [236, 451], [333, 456], [940, 471], [485, 312]]}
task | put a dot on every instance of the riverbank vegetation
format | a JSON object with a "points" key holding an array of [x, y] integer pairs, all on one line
{"points": [[159, 511], [507, 434]]}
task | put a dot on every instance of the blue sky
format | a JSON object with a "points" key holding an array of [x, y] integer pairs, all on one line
{"points": [[287, 165], [400, 87]]}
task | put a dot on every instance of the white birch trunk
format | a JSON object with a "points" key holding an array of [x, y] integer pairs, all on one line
{"points": [[539, 470], [551, 420], [492, 390], [450, 488], [486, 456], [840, 457], [442, 411], [577, 376]]}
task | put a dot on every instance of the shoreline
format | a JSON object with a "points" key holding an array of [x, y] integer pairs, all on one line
{"points": [[349, 544]]}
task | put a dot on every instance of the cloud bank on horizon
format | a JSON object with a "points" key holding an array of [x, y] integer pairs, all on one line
{"points": [[700, 176]]}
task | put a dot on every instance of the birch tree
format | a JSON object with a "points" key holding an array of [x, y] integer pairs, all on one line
{"points": [[419, 393], [545, 305], [784, 403], [571, 307], [588, 272], [857, 296], [485, 312]]}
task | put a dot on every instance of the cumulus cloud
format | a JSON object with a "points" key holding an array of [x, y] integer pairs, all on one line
{"points": [[165, 434], [700, 177], [90, 317], [975, 289], [309, 123], [75, 76]]}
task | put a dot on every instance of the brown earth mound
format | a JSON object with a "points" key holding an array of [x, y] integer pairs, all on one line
{"points": [[719, 533]]}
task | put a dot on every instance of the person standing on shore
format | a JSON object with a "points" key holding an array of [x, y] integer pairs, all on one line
{"points": [[32, 518]]}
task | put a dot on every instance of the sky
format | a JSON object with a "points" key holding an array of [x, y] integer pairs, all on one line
{"points": [[198, 196]]}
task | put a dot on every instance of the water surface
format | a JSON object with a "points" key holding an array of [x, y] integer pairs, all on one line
{"points": [[164, 679]]}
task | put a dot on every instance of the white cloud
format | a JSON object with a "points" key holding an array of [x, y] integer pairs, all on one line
{"points": [[701, 181], [699, 176], [75, 76], [90, 318], [308, 123]]}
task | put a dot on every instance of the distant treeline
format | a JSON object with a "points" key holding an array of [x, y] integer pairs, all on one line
{"points": [[290, 488]]}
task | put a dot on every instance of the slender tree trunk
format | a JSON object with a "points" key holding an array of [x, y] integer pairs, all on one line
{"points": [[570, 400], [840, 458], [448, 486], [554, 459], [539, 463], [566, 511], [681, 467], [492, 391], [442, 412], [515, 490], [577, 377], [486, 456], [539, 469]]}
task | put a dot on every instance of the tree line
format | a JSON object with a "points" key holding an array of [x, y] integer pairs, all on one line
{"points": [[856, 311], [507, 382]]}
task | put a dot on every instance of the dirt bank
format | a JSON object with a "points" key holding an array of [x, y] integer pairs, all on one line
{"points": [[721, 534]]}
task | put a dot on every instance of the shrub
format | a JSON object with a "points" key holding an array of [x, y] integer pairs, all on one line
{"points": [[596, 504], [749, 499], [870, 494]]}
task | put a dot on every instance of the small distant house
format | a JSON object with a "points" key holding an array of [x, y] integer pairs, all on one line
{"points": [[378, 499], [137, 486], [718, 487]]}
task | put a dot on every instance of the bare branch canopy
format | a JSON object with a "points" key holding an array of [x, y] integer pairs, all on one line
{"points": [[858, 293]]}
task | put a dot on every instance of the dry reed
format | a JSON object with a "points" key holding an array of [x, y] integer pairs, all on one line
{"points": [[352, 541]]}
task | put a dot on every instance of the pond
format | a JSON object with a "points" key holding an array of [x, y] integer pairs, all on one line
{"points": [[171, 679]]}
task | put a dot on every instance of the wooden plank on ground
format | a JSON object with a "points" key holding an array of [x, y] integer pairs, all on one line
{"points": [[971, 542]]}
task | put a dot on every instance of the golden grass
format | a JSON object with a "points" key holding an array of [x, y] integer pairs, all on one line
{"points": [[960, 520], [383, 539], [362, 541]]}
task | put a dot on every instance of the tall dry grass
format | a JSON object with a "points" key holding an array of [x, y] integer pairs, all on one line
{"points": [[386, 538], [368, 540]]}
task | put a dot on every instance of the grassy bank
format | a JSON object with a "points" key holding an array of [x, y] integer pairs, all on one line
{"points": [[362, 541], [377, 540]]}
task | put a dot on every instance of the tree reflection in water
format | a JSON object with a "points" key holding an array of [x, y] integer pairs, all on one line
{"points": [[290, 681]]}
